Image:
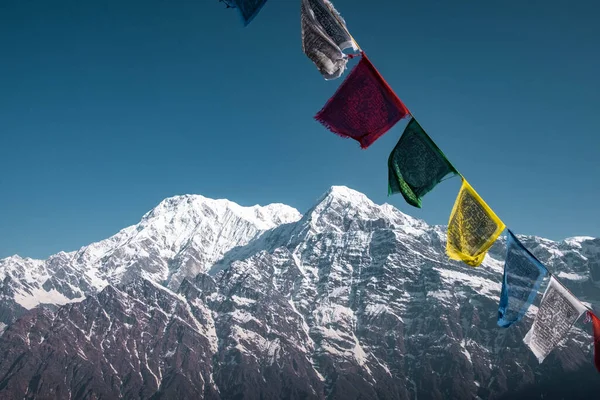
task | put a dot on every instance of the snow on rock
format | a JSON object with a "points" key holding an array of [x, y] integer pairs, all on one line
{"points": [[181, 237], [483, 285], [352, 299], [576, 241], [39, 296], [571, 276]]}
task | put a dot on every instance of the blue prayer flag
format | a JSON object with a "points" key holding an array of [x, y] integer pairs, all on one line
{"points": [[523, 275], [248, 8]]}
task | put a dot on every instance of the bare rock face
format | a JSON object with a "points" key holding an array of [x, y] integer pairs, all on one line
{"points": [[351, 301], [109, 346]]}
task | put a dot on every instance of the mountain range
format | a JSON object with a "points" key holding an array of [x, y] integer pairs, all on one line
{"points": [[208, 299]]}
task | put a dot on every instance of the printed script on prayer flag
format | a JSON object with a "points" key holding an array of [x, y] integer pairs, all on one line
{"points": [[523, 275], [473, 227], [324, 37], [556, 315], [416, 165], [364, 107]]}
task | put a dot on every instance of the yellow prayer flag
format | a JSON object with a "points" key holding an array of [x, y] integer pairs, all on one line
{"points": [[473, 227]]}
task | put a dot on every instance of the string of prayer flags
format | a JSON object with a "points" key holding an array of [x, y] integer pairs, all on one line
{"points": [[364, 107], [523, 276], [324, 37], [556, 315], [248, 8], [416, 165], [473, 227], [596, 327]]}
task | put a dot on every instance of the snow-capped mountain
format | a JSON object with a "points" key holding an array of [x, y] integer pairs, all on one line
{"points": [[350, 300], [182, 236]]}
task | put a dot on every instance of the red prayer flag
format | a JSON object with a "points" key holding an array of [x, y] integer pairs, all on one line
{"points": [[364, 107], [596, 325]]}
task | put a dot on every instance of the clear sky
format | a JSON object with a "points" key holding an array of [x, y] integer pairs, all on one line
{"points": [[107, 107]]}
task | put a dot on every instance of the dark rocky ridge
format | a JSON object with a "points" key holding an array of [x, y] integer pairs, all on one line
{"points": [[353, 301]]}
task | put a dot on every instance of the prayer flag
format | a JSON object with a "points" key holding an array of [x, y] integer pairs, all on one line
{"points": [[324, 37], [248, 8], [364, 107], [558, 312], [596, 326], [473, 227], [523, 276], [416, 165]]}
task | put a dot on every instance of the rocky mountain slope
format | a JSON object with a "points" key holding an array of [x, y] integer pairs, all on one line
{"points": [[352, 300], [181, 237]]}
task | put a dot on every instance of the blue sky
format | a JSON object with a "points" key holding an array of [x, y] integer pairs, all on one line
{"points": [[107, 107]]}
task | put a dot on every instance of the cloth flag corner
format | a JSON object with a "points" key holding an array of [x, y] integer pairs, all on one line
{"points": [[596, 327], [416, 165], [248, 8], [364, 107], [556, 315], [325, 37], [473, 227], [523, 276]]}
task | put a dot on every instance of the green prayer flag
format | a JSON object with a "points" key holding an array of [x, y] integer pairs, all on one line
{"points": [[416, 165]]}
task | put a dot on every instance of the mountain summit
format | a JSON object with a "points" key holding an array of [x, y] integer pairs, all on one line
{"points": [[181, 236], [207, 299]]}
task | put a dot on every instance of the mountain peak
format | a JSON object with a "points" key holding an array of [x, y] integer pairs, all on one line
{"points": [[345, 192], [353, 292], [343, 208], [265, 217], [344, 195]]}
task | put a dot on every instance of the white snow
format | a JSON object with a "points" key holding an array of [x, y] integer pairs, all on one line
{"points": [[208, 327], [170, 353], [572, 276], [344, 239], [2, 327], [347, 194], [359, 353], [158, 381], [242, 301], [577, 240], [81, 354], [532, 311], [243, 336], [243, 317], [444, 295], [326, 314], [483, 285], [39, 296], [555, 252], [194, 230], [465, 351], [376, 309]]}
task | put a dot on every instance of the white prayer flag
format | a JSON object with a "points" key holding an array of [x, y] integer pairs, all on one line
{"points": [[324, 36], [558, 312]]}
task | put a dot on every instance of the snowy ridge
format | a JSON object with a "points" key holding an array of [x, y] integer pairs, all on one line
{"points": [[352, 299], [182, 236]]}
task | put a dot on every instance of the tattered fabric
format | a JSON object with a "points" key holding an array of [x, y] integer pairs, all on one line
{"points": [[523, 276], [324, 37], [558, 312], [248, 8], [364, 107], [596, 327], [473, 227], [416, 165]]}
